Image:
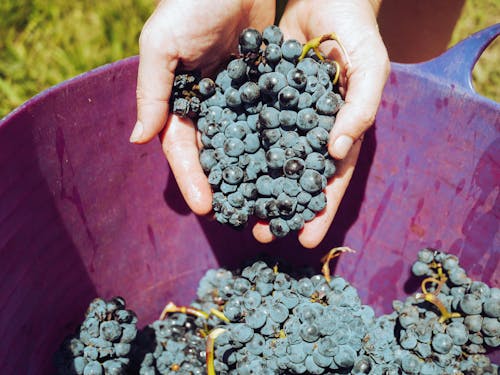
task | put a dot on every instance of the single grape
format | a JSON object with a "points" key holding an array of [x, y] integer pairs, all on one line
{"points": [[269, 137], [269, 118], [233, 147], [345, 356], [312, 85], [317, 138], [93, 368], [329, 67], [307, 119], [272, 34], [279, 227], [272, 53], [241, 332], [232, 97], [283, 67], [308, 66], [471, 304], [272, 83], [329, 103], [256, 318], [442, 343], [238, 129], [275, 158], [296, 78], [250, 40], [249, 92], [317, 203], [291, 50], [206, 87], [305, 101], [232, 175], [294, 168], [288, 97], [311, 181]]}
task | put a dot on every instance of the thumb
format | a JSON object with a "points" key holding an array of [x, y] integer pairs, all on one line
{"points": [[365, 84], [154, 83]]}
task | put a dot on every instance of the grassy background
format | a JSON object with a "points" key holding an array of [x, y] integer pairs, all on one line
{"points": [[44, 42]]}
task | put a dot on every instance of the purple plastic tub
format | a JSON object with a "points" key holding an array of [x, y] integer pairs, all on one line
{"points": [[83, 213]]}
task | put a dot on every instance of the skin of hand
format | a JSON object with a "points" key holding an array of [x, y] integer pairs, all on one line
{"points": [[365, 73], [196, 34]]}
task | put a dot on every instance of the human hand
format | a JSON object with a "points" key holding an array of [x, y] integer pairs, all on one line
{"points": [[198, 34], [366, 71]]}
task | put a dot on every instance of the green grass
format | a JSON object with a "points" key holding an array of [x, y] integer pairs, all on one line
{"points": [[44, 42]]}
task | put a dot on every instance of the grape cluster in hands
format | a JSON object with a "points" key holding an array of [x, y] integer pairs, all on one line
{"points": [[264, 125]]}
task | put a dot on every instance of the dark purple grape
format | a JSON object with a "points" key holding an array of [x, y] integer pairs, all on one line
{"points": [[294, 168], [249, 92], [272, 83], [286, 204], [308, 66], [311, 181], [288, 98], [297, 78], [279, 227], [272, 53], [250, 40], [291, 49], [275, 158], [307, 119], [206, 87], [329, 103], [269, 118], [232, 174], [236, 69], [234, 147], [272, 34]]}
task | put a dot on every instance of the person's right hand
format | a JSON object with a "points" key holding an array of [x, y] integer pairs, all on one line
{"points": [[197, 34]]}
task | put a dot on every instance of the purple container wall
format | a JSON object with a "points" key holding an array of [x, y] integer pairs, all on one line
{"points": [[83, 213]]}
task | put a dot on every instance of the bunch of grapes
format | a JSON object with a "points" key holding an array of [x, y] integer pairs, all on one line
{"points": [[443, 330], [102, 343], [264, 125], [179, 347], [264, 321], [278, 324]]}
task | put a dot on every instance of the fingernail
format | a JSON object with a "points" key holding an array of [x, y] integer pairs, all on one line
{"points": [[137, 132], [342, 146]]}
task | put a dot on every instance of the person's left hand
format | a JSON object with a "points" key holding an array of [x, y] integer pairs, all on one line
{"points": [[366, 71]]}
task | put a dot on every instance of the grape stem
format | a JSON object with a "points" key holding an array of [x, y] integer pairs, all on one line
{"points": [[332, 254], [220, 315], [314, 45], [432, 298], [209, 349], [173, 308], [432, 280]]}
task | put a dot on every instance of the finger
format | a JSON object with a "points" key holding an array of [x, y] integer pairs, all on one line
{"points": [[154, 81], [262, 233], [180, 148], [315, 230], [365, 83]]}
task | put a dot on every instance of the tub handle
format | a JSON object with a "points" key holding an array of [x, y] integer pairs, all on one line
{"points": [[456, 64]]}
